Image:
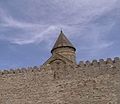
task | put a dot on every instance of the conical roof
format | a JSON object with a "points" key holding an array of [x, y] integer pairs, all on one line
{"points": [[62, 41]]}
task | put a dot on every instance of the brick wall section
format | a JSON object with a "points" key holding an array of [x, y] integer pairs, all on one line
{"points": [[87, 83]]}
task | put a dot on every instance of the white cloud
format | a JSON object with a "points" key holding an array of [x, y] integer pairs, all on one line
{"points": [[33, 33], [35, 36], [8, 21], [73, 16]]}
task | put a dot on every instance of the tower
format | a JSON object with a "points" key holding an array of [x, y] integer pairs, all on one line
{"points": [[62, 52], [64, 47]]}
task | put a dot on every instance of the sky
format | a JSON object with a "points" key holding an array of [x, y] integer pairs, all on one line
{"points": [[29, 29]]}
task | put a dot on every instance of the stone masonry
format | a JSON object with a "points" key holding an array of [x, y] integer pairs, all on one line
{"points": [[61, 81]]}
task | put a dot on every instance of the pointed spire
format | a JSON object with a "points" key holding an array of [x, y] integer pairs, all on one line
{"points": [[62, 41]]}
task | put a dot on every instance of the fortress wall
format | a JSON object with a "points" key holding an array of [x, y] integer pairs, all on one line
{"points": [[27, 87], [102, 66], [102, 79], [96, 82], [115, 62]]}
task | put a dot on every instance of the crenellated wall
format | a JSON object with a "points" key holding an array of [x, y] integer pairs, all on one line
{"points": [[96, 82], [19, 70], [115, 62]]}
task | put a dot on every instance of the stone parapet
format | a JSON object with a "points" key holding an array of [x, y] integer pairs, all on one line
{"points": [[99, 63], [94, 63], [20, 70]]}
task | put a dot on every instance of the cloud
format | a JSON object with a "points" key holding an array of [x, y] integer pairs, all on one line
{"points": [[35, 36], [33, 33], [72, 16]]}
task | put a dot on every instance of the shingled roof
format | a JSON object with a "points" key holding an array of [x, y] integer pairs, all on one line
{"points": [[62, 41]]}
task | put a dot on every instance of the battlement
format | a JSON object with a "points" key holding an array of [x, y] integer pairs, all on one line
{"points": [[101, 62], [20, 70], [95, 63]]}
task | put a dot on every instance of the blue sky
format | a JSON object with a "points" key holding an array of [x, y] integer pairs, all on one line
{"points": [[29, 28]]}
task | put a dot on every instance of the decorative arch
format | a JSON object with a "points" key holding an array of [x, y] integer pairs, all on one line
{"points": [[57, 61]]}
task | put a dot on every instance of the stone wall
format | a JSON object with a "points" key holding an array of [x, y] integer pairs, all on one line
{"points": [[96, 82]]}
